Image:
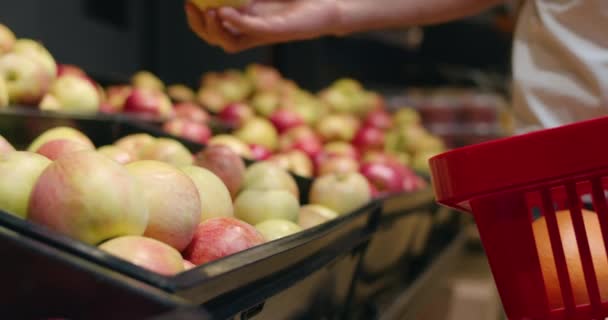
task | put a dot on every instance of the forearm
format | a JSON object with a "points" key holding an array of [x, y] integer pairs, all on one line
{"points": [[360, 15]]}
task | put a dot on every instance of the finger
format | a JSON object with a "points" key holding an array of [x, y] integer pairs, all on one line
{"points": [[244, 23], [224, 38], [196, 21]]}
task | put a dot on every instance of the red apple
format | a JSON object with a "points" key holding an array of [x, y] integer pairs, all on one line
{"points": [[149, 103], [259, 152], [197, 132], [220, 237], [116, 96], [191, 111], [380, 119], [302, 138], [57, 133], [146, 253], [238, 146], [311, 147], [236, 114], [369, 138], [55, 149], [385, 178], [285, 119], [225, 164]]}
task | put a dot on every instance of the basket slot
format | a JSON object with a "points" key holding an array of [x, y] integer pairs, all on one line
{"points": [[584, 250], [558, 252], [601, 208]]}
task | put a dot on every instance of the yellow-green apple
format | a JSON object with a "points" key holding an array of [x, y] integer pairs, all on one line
{"points": [[224, 163], [181, 93], [380, 119], [340, 148], [420, 161], [263, 77], [216, 200], [236, 114], [147, 253], [26, 79], [259, 131], [117, 154], [5, 146], [265, 102], [4, 100], [188, 265], [255, 206], [90, 198], [187, 129], [191, 111], [310, 109], [313, 215], [70, 69], [275, 229], [337, 164], [49, 103], [285, 119], [55, 149], [342, 193], [59, 133], [7, 39], [407, 116], [169, 151], [260, 153], [233, 86], [338, 127], [147, 102], [211, 99], [135, 143], [147, 80], [172, 200], [369, 138], [19, 171], [35, 51], [75, 94], [116, 96], [237, 146], [221, 237], [295, 161], [267, 176]]}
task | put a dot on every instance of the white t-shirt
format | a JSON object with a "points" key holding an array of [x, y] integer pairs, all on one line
{"points": [[560, 59]]}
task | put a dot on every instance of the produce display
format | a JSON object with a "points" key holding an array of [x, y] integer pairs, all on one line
{"points": [[151, 202]]}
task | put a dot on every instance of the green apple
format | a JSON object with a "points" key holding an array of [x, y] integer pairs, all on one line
{"points": [[342, 193], [268, 176], [313, 215], [265, 103], [256, 206], [75, 94], [19, 171], [216, 200], [259, 131], [25, 78], [36, 51], [277, 228]]}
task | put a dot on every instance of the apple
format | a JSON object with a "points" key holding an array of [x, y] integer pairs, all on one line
{"points": [[88, 197], [420, 161], [313, 215], [117, 154], [343, 193], [309, 108], [275, 229], [224, 163], [233, 86], [49, 103], [117, 96], [256, 206], [221, 237], [35, 51], [26, 80], [263, 77], [285, 119], [4, 99], [172, 200], [216, 200], [147, 80], [338, 127], [260, 153], [181, 93], [5, 146], [236, 114], [59, 133], [147, 253], [70, 69], [259, 131], [380, 119], [197, 132], [369, 138], [191, 111], [149, 103], [265, 102], [55, 149], [267, 176], [337, 164], [188, 265], [303, 136], [211, 99], [169, 151], [295, 161], [75, 94], [135, 143], [407, 117], [341, 149], [385, 178], [236, 145], [19, 171], [7, 39]]}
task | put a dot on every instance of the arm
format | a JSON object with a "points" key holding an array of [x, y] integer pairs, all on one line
{"points": [[271, 21]]}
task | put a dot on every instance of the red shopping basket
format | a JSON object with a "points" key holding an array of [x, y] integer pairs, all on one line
{"points": [[508, 183]]}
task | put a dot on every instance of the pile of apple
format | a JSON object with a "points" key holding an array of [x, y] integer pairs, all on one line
{"points": [[151, 202]]}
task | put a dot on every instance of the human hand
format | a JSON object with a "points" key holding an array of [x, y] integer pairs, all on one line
{"points": [[264, 22]]}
